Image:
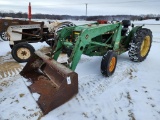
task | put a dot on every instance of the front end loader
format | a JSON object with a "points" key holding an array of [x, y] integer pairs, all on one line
{"points": [[57, 82]]}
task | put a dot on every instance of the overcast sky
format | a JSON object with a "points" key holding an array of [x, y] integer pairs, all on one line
{"points": [[78, 7]]}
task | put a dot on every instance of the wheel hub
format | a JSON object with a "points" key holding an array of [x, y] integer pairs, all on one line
{"points": [[145, 46], [112, 64], [23, 53]]}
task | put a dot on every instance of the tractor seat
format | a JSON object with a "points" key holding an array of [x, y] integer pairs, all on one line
{"points": [[125, 24]]}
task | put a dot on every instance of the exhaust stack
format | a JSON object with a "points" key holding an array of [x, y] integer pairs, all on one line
{"points": [[29, 12]]}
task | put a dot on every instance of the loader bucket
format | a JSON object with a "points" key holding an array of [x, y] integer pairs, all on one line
{"points": [[54, 82]]}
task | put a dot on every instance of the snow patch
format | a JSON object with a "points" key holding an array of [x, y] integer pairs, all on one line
{"points": [[26, 81], [36, 96]]}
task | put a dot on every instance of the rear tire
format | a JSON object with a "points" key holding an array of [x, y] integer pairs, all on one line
{"points": [[4, 36], [63, 25], [140, 45], [108, 63], [58, 29], [22, 52]]}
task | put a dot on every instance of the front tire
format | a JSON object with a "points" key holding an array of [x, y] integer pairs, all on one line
{"points": [[108, 63], [140, 45], [22, 52]]}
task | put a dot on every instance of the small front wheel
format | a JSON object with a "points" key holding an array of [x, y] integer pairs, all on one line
{"points": [[22, 52], [108, 63]]}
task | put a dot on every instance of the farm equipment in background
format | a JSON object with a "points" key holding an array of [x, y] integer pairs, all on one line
{"points": [[21, 35], [57, 83], [6, 22]]}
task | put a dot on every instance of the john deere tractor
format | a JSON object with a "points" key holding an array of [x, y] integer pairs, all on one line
{"points": [[57, 83], [107, 40]]}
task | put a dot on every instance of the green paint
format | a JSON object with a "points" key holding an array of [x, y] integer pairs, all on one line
{"points": [[92, 40]]}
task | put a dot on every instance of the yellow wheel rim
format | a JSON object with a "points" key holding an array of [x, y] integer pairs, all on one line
{"points": [[23, 53], [112, 64], [145, 46]]}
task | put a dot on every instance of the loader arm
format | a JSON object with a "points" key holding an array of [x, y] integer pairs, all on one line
{"points": [[85, 37]]}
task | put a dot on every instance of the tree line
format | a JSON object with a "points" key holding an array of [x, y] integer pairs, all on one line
{"points": [[89, 18]]}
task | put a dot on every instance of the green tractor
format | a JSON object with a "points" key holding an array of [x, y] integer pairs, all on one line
{"points": [[107, 40], [57, 83]]}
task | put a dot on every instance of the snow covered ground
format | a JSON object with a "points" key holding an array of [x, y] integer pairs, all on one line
{"points": [[131, 93]]}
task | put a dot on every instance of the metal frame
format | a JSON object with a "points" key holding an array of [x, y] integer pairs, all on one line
{"points": [[87, 39]]}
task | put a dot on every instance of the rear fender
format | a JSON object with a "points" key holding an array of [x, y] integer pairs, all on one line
{"points": [[131, 35]]}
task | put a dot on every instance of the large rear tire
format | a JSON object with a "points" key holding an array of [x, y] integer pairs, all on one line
{"points": [[63, 25], [140, 45], [108, 63], [58, 29], [22, 52]]}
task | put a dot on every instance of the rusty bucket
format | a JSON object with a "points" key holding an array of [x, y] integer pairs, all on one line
{"points": [[54, 82]]}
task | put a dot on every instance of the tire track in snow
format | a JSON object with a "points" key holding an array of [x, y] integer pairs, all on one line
{"points": [[8, 67], [95, 85], [15, 100]]}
